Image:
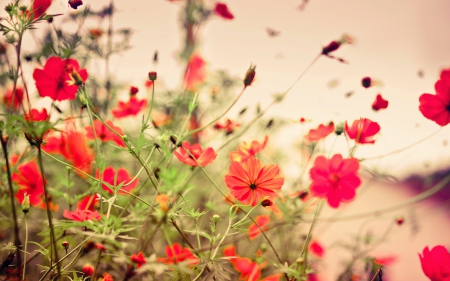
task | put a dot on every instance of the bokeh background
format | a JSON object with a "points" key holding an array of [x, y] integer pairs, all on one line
{"points": [[402, 44]]}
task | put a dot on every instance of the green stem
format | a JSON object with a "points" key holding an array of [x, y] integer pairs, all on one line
{"points": [[53, 247], [25, 250], [304, 253]]}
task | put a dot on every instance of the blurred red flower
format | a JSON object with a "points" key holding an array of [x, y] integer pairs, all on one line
{"points": [[379, 103], [29, 179], [315, 135], [249, 182], [74, 4], [176, 254], [436, 263], [35, 115], [230, 251], [109, 176], [88, 269], [129, 108], [316, 249], [250, 271], [18, 98], [335, 179], [138, 259], [59, 78], [247, 150], [253, 230], [89, 202], [195, 73], [82, 215], [203, 157], [40, 6], [106, 277], [222, 10], [385, 260], [437, 107], [228, 126], [73, 147], [362, 130], [104, 133]]}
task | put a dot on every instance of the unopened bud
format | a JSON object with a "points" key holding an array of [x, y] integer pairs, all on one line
{"points": [[366, 82], [300, 260], [77, 78], [83, 99], [339, 129], [263, 247], [152, 75], [249, 76], [65, 245], [133, 90], [216, 218], [302, 195], [333, 46], [88, 270], [400, 220], [49, 19], [26, 203], [266, 203], [23, 8]]}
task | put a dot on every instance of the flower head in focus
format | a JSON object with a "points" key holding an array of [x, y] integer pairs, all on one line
{"points": [[249, 181], [335, 179], [437, 107], [436, 263], [59, 79]]}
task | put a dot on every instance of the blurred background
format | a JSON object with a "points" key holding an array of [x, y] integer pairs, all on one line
{"points": [[401, 44]]}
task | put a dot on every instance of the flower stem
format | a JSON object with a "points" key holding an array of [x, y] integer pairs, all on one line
{"points": [[25, 250], [49, 212]]}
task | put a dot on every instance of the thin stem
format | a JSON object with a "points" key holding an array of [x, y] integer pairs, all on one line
{"points": [[49, 212], [379, 274], [304, 253], [25, 250], [4, 142]]}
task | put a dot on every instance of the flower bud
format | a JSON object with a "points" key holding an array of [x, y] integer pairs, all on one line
{"points": [[249, 76], [75, 3], [400, 220], [216, 218], [23, 8], [263, 247], [366, 82], [152, 75], [333, 46], [133, 90], [266, 203], [300, 261], [49, 18], [26, 203], [65, 245], [303, 194], [88, 269], [339, 129]]}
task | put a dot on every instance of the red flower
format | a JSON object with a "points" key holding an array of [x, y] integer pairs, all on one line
{"points": [[106, 277], [89, 202], [437, 107], [109, 175], [72, 146], [133, 90], [253, 230], [436, 263], [316, 249], [230, 251], [74, 4], [59, 79], [386, 260], [88, 269], [40, 6], [247, 150], [315, 135], [362, 130], [250, 271], [104, 133], [176, 254], [334, 45], [36, 115], [228, 126], [18, 98], [203, 157], [82, 215], [249, 182], [221, 10], [335, 179], [29, 179], [379, 103], [195, 73], [130, 108], [138, 259]]}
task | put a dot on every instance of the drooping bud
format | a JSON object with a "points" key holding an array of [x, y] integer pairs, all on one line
{"points": [[26, 203], [152, 75], [266, 203], [334, 45], [339, 129], [249, 75]]}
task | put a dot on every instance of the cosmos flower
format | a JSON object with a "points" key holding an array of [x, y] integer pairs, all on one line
{"points": [[379, 103], [35, 115], [437, 107], [316, 249], [40, 6], [335, 179], [89, 202], [253, 230], [362, 130], [104, 133], [222, 11], [249, 181], [228, 126], [138, 259], [315, 135], [247, 150], [203, 157], [82, 215], [195, 74], [59, 79], [129, 108], [176, 254], [109, 176], [18, 98], [436, 263]]}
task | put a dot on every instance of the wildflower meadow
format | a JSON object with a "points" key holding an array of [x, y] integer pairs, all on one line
{"points": [[103, 178]]}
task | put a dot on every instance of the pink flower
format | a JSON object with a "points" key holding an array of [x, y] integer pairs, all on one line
{"points": [[222, 11], [195, 72], [437, 107], [253, 229], [316, 249], [436, 263], [115, 178], [82, 215], [335, 179], [362, 130], [129, 108], [315, 135], [104, 133]]}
